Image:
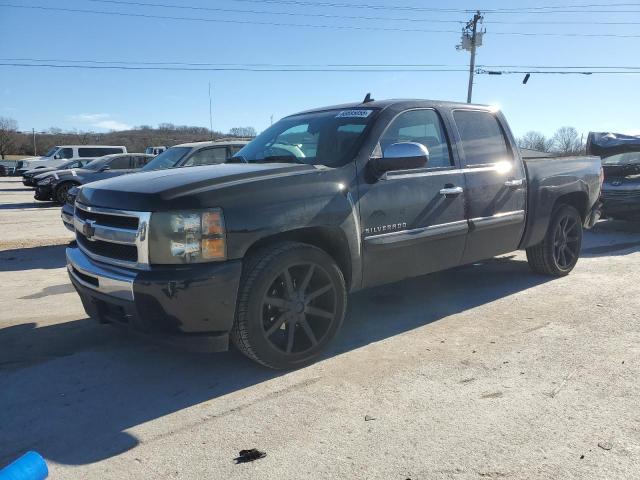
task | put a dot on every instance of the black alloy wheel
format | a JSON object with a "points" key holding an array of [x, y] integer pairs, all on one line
{"points": [[299, 308], [566, 246], [559, 251], [291, 303]]}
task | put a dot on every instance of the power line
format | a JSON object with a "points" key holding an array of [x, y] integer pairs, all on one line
{"points": [[319, 65], [344, 17], [434, 9], [228, 69], [284, 24], [480, 70]]}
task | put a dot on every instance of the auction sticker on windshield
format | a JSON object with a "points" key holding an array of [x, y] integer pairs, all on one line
{"points": [[354, 114]]}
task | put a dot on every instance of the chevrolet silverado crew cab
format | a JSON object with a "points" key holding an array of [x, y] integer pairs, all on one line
{"points": [[263, 250]]}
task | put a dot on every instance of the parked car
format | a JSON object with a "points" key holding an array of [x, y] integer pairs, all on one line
{"points": [[55, 185], [621, 164], [188, 154], [196, 154], [263, 251], [59, 155], [28, 176]]}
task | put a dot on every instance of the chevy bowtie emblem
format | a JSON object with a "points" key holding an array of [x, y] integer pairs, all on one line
{"points": [[89, 229]]}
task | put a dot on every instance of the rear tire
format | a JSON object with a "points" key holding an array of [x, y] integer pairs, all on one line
{"points": [[291, 304], [559, 251]]}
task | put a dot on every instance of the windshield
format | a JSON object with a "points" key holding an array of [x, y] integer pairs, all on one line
{"points": [[51, 152], [167, 159], [328, 138], [631, 158], [66, 165]]}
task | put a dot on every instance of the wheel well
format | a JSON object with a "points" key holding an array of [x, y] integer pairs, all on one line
{"points": [[330, 239], [578, 200]]}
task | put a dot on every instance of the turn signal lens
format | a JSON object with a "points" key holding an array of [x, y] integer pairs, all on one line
{"points": [[213, 248], [212, 223]]}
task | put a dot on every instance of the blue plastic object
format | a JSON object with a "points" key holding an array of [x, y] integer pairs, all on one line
{"points": [[30, 466]]}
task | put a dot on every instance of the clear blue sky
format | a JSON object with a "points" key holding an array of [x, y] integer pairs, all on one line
{"points": [[101, 99]]}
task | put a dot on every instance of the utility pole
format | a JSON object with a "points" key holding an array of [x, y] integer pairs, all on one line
{"points": [[471, 39], [35, 151], [210, 113]]}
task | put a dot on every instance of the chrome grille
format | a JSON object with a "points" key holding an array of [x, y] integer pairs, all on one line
{"points": [[118, 237]]}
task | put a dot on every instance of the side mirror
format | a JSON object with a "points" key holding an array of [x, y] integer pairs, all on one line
{"points": [[56, 157], [401, 156], [105, 168]]}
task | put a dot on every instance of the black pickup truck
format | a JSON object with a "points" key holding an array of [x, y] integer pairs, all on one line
{"points": [[265, 249]]}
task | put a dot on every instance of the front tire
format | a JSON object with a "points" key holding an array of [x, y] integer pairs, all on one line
{"points": [[559, 251], [60, 195], [291, 304]]}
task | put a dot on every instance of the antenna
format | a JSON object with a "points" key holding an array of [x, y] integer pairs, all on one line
{"points": [[210, 114], [368, 98]]}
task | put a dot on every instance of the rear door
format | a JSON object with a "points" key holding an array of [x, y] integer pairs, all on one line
{"points": [[495, 184], [413, 221]]}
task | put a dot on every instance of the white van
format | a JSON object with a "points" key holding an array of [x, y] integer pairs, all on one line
{"points": [[63, 153]]}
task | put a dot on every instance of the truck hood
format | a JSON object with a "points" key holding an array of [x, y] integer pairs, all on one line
{"points": [[179, 188]]}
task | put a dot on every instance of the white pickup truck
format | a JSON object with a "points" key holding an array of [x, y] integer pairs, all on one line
{"points": [[61, 154]]}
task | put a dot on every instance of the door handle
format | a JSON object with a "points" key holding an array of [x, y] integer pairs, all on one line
{"points": [[514, 183], [451, 191]]}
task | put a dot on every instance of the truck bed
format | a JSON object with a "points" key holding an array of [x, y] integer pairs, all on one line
{"points": [[550, 178]]}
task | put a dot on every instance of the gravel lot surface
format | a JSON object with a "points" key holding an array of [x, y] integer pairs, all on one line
{"points": [[485, 371]]}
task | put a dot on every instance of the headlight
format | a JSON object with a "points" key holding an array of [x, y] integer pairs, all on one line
{"points": [[187, 237], [46, 181]]}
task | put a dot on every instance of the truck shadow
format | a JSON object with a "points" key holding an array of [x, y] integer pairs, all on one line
{"points": [[47, 257], [72, 390]]}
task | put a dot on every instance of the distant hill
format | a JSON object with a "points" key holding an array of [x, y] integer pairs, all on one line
{"points": [[136, 140]]}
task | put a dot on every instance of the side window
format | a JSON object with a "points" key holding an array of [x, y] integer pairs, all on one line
{"points": [[207, 156], [87, 152], [233, 149], [483, 140], [140, 161], [120, 163], [64, 153], [420, 126]]}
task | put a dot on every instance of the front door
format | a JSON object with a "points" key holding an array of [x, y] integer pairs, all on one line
{"points": [[496, 185], [413, 221]]}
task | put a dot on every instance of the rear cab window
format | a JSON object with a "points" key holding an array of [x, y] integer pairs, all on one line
{"points": [[482, 138]]}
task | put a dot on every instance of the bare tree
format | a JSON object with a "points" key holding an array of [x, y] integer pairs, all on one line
{"points": [[8, 135], [535, 141], [242, 132], [566, 141]]}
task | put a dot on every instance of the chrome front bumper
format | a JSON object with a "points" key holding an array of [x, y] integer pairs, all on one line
{"points": [[108, 280], [68, 221]]}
